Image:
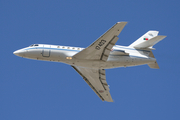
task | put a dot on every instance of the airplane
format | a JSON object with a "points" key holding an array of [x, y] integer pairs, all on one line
{"points": [[102, 54]]}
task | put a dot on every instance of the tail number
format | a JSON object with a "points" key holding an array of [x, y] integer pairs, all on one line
{"points": [[101, 43]]}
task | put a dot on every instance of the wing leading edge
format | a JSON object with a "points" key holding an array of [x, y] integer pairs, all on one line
{"points": [[96, 79]]}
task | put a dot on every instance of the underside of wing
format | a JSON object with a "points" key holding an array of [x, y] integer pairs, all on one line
{"points": [[100, 49], [96, 79]]}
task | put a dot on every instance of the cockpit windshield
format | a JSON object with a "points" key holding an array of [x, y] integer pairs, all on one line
{"points": [[33, 45]]}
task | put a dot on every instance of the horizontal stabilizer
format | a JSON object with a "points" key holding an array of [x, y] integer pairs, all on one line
{"points": [[154, 65]]}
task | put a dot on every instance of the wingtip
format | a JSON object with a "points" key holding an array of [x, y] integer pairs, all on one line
{"points": [[122, 22]]}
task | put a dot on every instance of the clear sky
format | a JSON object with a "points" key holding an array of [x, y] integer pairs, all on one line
{"points": [[39, 90]]}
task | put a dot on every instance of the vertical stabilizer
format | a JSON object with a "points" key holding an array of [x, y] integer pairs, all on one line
{"points": [[150, 34]]}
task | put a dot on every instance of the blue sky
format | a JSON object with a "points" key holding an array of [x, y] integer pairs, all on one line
{"points": [[34, 90]]}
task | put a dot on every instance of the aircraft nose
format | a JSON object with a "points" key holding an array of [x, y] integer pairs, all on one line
{"points": [[19, 52]]}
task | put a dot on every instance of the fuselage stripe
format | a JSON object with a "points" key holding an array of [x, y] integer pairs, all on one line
{"points": [[52, 49]]}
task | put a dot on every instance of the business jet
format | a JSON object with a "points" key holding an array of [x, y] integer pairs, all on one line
{"points": [[102, 54]]}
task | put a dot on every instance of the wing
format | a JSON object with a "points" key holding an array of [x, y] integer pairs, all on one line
{"points": [[100, 49], [96, 79]]}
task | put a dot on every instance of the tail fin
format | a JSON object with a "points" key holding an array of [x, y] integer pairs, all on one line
{"points": [[147, 40]]}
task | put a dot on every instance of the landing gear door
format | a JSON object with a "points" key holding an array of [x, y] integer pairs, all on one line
{"points": [[46, 51]]}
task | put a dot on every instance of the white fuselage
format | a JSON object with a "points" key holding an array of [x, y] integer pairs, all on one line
{"points": [[120, 56]]}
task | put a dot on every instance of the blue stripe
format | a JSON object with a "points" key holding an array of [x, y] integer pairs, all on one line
{"points": [[52, 49], [131, 48]]}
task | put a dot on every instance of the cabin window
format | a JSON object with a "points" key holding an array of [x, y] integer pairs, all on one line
{"points": [[33, 45]]}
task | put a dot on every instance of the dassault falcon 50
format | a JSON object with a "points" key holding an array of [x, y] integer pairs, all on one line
{"points": [[102, 54]]}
